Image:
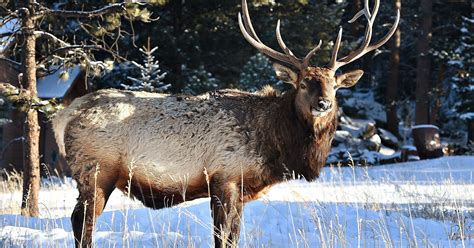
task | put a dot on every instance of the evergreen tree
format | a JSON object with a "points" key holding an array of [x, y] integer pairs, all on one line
{"points": [[459, 85], [151, 77], [256, 73], [198, 80]]}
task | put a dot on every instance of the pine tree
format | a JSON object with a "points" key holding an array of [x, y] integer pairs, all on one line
{"points": [[257, 72], [150, 78], [198, 80], [460, 84]]}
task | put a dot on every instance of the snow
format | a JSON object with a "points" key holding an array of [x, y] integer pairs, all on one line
{"points": [[425, 126], [467, 116], [423, 203], [364, 105], [385, 151], [388, 135], [409, 147]]}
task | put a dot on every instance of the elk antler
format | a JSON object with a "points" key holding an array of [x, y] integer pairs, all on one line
{"points": [[365, 47], [288, 57]]}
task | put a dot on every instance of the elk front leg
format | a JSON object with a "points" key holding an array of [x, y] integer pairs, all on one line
{"points": [[226, 205], [85, 214], [93, 195]]}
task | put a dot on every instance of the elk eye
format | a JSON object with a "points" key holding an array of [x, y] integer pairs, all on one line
{"points": [[303, 86]]}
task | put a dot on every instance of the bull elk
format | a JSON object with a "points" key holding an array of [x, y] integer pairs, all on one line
{"points": [[228, 145]]}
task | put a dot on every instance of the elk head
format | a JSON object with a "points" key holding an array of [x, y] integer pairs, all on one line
{"points": [[316, 86]]}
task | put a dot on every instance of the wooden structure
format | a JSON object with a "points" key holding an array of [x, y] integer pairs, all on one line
{"points": [[11, 128], [427, 141]]}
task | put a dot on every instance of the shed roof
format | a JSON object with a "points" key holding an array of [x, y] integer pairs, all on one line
{"points": [[52, 86]]}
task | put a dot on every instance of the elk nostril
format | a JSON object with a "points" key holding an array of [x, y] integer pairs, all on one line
{"points": [[324, 104]]}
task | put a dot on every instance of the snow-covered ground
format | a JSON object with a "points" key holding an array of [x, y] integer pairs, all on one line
{"points": [[427, 203]]}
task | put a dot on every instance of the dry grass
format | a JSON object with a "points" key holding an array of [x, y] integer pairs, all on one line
{"points": [[307, 222]]}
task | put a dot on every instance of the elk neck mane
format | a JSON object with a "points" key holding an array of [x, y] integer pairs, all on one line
{"points": [[291, 144]]}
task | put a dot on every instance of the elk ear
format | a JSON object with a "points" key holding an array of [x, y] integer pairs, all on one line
{"points": [[348, 79], [286, 74]]}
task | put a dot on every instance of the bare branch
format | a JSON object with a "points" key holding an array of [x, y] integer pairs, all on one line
{"points": [[80, 49], [64, 46], [2, 35], [10, 42], [8, 47], [51, 37], [74, 47], [112, 8], [5, 11]]}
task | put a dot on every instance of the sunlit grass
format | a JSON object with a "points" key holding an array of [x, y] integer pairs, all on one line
{"points": [[346, 207]]}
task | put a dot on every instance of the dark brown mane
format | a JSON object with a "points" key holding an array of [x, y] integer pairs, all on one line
{"points": [[291, 145]]}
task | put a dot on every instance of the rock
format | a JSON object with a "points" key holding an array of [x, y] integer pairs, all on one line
{"points": [[363, 105], [353, 111], [388, 139], [369, 131], [373, 143], [341, 136], [407, 153]]}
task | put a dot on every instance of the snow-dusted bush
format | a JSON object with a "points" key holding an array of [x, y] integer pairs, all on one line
{"points": [[361, 103], [198, 80], [257, 72]]}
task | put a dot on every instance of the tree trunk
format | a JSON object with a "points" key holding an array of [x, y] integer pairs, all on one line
{"points": [[177, 9], [392, 84], [423, 66], [31, 171], [436, 96], [470, 132]]}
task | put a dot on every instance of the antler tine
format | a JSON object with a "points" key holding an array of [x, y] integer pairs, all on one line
{"points": [[335, 50], [367, 35], [375, 11], [384, 39], [365, 11], [262, 47], [248, 22], [361, 50], [288, 57], [311, 54], [280, 40], [365, 46], [247, 30], [283, 46]]}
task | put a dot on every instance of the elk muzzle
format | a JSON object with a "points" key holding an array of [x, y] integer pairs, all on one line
{"points": [[323, 106]]}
